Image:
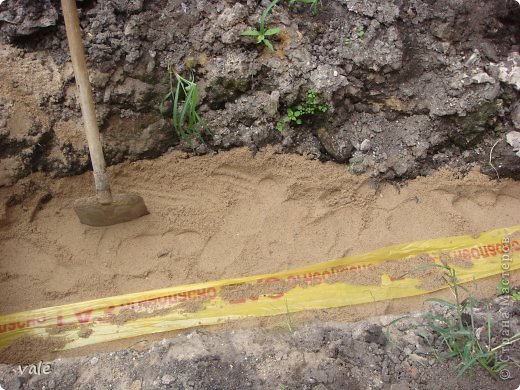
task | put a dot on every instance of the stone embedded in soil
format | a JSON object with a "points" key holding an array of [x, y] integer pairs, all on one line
{"points": [[515, 115], [26, 17]]}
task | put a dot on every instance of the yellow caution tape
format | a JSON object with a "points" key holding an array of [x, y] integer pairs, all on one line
{"points": [[341, 282]]}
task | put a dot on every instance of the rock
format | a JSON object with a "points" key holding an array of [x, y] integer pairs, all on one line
{"points": [[481, 78], [274, 102], [25, 17], [357, 164], [228, 78], [513, 139], [509, 70], [11, 169], [224, 89], [515, 115], [167, 379], [374, 334], [231, 16], [328, 79], [135, 92], [443, 31], [365, 145], [128, 6], [340, 150]]}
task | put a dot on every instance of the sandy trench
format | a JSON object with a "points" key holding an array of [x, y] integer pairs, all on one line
{"points": [[227, 215]]}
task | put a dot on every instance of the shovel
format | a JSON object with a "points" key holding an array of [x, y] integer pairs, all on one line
{"points": [[103, 209]]}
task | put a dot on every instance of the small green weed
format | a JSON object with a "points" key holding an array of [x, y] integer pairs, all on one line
{"points": [[262, 33], [304, 109], [360, 31], [358, 34], [313, 4], [459, 334], [516, 296], [290, 324], [184, 96], [503, 287]]}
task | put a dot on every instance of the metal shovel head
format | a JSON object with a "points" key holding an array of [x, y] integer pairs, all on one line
{"points": [[124, 207]]}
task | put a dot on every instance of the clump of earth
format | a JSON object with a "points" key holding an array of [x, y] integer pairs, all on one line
{"points": [[409, 85]]}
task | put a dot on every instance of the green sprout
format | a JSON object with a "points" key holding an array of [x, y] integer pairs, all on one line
{"points": [[290, 325], [503, 287], [357, 34], [307, 108], [262, 33], [184, 96], [459, 334], [360, 31]]}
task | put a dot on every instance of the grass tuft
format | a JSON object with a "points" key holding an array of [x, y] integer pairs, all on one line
{"points": [[184, 96], [459, 334]]}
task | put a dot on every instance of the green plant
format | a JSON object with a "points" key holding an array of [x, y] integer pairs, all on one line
{"points": [[290, 324], [262, 33], [183, 94], [459, 334], [307, 108], [313, 4], [360, 31], [503, 287], [516, 296]]}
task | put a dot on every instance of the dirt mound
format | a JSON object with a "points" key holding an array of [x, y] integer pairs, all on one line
{"points": [[409, 85]]}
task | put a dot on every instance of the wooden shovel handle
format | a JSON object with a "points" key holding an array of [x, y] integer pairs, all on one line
{"points": [[77, 54]]}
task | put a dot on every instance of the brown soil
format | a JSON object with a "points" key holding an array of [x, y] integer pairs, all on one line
{"points": [[29, 349], [131, 315], [229, 215]]}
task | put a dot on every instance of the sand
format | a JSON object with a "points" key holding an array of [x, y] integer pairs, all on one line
{"points": [[227, 215]]}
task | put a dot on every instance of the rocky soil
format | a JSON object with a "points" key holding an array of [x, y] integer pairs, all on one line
{"points": [[410, 84], [378, 353]]}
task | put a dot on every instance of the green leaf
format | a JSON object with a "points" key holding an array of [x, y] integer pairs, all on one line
{"points": [[286, 119], [279, 126], [250, 33], [175, 109], [268, 44], [272, 31], [164, 100], [442, 302], [298, 121], [265, 13], [297, 113]]}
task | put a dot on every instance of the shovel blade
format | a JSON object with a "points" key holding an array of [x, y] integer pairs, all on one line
{"points": [[124, 208]]}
